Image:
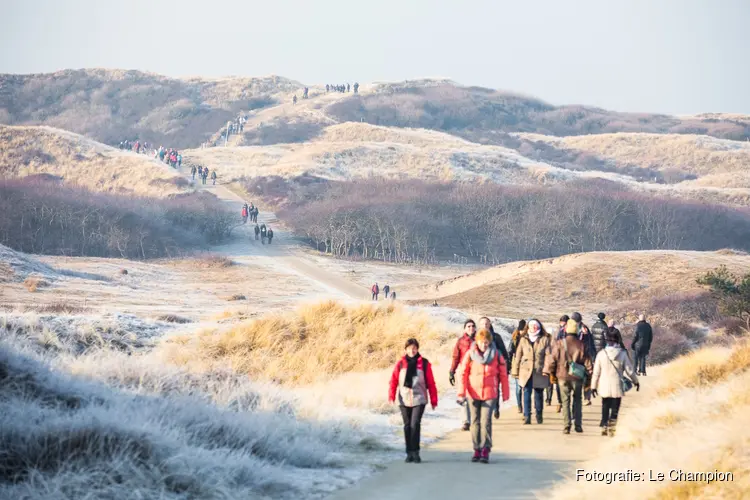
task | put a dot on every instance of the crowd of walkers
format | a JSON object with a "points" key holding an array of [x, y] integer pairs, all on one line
{"points": [[170, 156], [135, 146], [343, 88], [389, 293], [203, 174], [574, 361]]}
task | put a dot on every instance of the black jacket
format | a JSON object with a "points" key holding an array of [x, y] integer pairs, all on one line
{"points": [[598, 331], [500, 345], [643, 337]]}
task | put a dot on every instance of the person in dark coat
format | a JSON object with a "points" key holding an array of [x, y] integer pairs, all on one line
{"points": [[598, 333], [269, 234], [584, 335], [387, 291], [641, 346], [257, 231]]}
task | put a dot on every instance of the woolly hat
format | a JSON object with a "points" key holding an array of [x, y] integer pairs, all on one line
{"points": [[571, 327], [483, 335], [601, 316], [577, 317]]}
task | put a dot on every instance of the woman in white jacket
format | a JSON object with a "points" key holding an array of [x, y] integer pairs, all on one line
{"points": [[611, 363]]}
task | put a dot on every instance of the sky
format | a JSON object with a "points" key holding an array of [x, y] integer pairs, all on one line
{"points": [[664, 56]]}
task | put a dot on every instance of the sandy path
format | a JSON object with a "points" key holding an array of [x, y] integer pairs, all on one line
{"points": [[526, 459]]}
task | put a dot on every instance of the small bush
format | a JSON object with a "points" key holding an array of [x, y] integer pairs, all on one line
{"points": [[124, 272], [693, 333], [33, 283], [173, 318], [56, 308], [236, 296], [213, 261], [733, 327]]}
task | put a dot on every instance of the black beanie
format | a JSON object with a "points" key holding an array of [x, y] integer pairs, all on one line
{"points": [[601, 316]]}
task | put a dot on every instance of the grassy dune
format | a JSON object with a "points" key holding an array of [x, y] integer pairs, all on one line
{"points": [[696, 421], [311, 344]]}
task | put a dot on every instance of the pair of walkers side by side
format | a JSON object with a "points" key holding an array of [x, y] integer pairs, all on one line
{"points": [[388, 292]]}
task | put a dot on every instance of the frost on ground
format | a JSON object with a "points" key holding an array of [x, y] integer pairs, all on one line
{"points": [[154, 436]]}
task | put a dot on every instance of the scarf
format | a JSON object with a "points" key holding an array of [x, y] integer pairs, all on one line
{"points": [[486, 357], [411, 370], [533, 337]]}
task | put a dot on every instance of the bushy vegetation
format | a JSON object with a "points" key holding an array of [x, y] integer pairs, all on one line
{"points": [[417, 221], [478, 113], [732, 292], [49, 218]]}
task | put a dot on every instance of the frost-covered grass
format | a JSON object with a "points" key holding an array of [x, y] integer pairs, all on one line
{"points": [[115, 424]]}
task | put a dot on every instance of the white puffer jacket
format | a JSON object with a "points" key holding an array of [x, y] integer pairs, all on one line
{"points": [[606, 379]]}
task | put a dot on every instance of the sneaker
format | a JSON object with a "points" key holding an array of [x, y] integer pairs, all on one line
{"points": [[604, 430], [409, 458], [612, 427], [566, 430], [527, 421], [476, 456], [485, 458], [559, 408], [579, 429], [539, 418], [588, 403], [417, 458], [466, 426]]}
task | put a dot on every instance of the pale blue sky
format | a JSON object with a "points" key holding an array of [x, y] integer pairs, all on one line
{"points": [[672, 56]]}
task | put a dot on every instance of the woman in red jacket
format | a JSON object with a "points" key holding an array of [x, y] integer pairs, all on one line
{"points": [[483, 370], [414, 384]]}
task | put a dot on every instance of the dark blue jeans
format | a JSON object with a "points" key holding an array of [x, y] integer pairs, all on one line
{"points": [[519, 395], [538, 398]]}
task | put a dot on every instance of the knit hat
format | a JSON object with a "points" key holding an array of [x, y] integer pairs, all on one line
{"points": [[601, 316], [571, 327], [483, 335], [577, 317]]}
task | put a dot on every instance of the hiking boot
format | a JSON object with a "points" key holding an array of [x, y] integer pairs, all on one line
{"points": [[579, 429], [526, 420], [485, 457], [539, 418], [612, 427], [466, 426], [604, 430], [409, 457], [566, 430], [476, 457], [559, 408], [417, 459]]}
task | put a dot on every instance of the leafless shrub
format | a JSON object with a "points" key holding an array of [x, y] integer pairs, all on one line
{"points": [[33, 283], [56, 308], [236, 296], [213, 261], [173, 318]]}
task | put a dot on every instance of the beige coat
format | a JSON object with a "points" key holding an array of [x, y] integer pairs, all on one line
{"points": [[606, 379], [528, 361]]}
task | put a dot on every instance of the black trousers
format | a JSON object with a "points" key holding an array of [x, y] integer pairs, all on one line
{"points": [[640, 362], [610, 410], [412, 416]]}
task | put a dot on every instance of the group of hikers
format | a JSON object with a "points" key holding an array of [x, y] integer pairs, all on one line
{"points": [[389, 292], [203, 174], [576, 362], [265, 233], [250, 211], [237, 126], [342, 88], [169, 156], [135, 146]]}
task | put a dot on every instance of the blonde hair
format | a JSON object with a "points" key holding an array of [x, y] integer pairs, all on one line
{"points": [[483, 335]]}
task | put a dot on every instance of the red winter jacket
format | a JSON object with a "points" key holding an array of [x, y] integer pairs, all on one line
{"points": [[481, 382], [423, 386], [462, 347]]}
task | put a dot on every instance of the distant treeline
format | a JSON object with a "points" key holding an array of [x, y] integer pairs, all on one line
{"points": [[417, 221], [46, 217]]}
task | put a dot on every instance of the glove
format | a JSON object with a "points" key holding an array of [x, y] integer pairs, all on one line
{"points": [[452, 378], [594, 393], [637, 387]]}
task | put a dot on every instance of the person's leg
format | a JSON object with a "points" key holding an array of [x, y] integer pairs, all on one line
{"points": [[519, 396], [539, 403], [527, 390], [643, 370], [406, 414], [605, 412], [548, 394], [416, 429], [467, 421], [578, 405], [612, 424], [566, 391], [485, 440], [476, 432]]}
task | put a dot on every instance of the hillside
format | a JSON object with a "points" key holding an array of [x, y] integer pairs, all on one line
{"points": [[112, 105], [690, 160], [481, 114], [74, 159], [588, 282]]}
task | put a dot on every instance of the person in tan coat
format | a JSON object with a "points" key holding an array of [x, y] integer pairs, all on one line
{"points": [[611, 364], [565, 351], [528, 365]]}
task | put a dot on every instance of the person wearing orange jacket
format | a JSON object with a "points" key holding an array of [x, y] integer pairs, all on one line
{"points": [[459, 350], [412, 381], [483, 372]]}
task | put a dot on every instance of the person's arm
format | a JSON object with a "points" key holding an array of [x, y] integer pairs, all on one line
{"points": [[550, 361], [588, 364], [517, 361], [504, 382], [456, 358], [636, 337], [501, 347], [463, 380], [431, 386], [394, 382], [597, 370], [629, 369]]}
